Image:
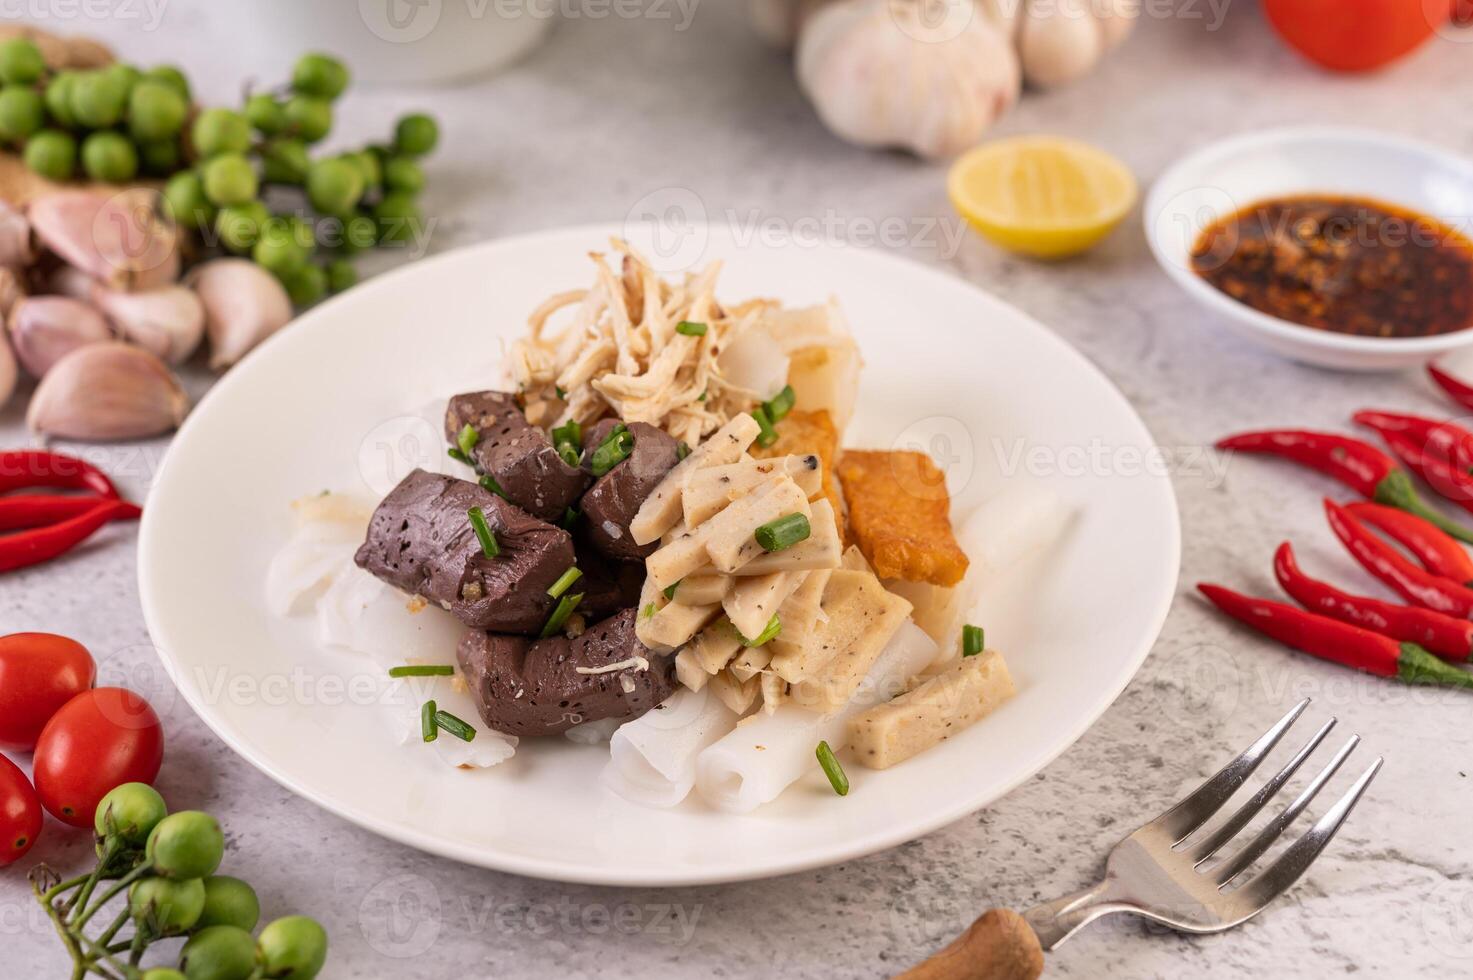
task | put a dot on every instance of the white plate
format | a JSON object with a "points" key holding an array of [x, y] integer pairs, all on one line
{"points": [[991, 392], [1225, 177]]}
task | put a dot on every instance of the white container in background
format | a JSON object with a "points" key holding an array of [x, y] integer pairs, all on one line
{"points": [[390, 41]]}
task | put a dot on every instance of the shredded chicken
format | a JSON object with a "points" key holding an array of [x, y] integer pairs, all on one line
{"points": [[622, 355]]}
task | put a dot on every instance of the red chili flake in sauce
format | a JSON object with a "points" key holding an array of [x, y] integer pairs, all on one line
{"points": [[1350, 265]]}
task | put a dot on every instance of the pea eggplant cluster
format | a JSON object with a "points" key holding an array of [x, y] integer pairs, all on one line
{"points": [[1418, 642]]}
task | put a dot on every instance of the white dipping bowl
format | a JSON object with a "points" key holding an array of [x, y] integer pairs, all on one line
{"points": [[1225, 177]]}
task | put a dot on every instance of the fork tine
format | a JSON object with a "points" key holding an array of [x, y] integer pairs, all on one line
{"points": [[1206, 799], [1254, 849], [1301, 854], [1209, 846]]}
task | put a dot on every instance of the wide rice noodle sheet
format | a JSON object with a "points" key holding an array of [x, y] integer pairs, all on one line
{"points": [[652, 759], [765, 755]]}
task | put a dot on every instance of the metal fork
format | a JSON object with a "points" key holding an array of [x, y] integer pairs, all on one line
{"points": [[1163, 873]]}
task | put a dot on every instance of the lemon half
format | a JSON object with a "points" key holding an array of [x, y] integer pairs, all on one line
{"points": [[1043, 196]]}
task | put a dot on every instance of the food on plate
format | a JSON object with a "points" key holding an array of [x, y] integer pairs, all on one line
{"points": [[100, 739], [899, 511], [643, 544], [931, 712], [1042, 196], [20, 813], [1343, 264], [160, 867]]}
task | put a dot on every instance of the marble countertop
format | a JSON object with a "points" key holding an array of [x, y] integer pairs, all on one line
{"points": [[613, 110]]}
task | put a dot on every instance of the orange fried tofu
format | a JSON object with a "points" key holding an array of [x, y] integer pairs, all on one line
{"points": [[800, 433], [899, 515]]}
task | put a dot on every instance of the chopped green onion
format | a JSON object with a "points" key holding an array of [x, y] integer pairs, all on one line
{"points": [[784, 532], [766, 434], [682, 449], [561, 394], [702, 398], [456, 454], [648, 612], [690, 329], [570, 517], [422, 670], [560, 614], [832, 769], [669, 590], [427, 726], [565, 580], [488, 482], [567, 439], [454, 726], [483, 532], [769, 633], [972, 638], [780, 405], [612, 451], [467, 439]]}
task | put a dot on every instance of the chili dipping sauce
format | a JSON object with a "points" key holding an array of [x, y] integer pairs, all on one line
{"points": [[1347, 264]]}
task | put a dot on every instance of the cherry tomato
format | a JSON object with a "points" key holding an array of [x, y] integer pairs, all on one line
{"points": [[99, 740], [1356, 35], [20, 813], [39, 672], [1463, 12]]}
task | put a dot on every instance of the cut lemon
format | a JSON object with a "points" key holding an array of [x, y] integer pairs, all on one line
{"points": [[1041, 195]]}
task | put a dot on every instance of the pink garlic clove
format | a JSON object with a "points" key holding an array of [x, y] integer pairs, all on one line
{"points": [[17, 245], [168, 322], [12, 291], [244, 304], [9, 372], [108, 391], [66, 280], [44, 329], [122, 239]]}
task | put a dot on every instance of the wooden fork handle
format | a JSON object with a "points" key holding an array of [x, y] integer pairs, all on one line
{"points": [[1000, 945]]}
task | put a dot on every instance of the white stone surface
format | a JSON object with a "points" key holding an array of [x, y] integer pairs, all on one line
{"points": [[614, 109]]}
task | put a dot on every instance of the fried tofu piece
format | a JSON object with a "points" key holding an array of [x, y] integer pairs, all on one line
{"points": [[801, 433], [900, 516]]}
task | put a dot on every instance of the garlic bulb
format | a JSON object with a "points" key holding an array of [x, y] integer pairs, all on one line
{"points": [[779, 22], [168, 322], [44, 329], [244, 304], [17, 247], [9, 372], [107, 391], [926, 75], [122, 239]]}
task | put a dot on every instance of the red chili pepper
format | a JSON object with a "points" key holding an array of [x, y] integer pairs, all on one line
{"points": [[1458, 391], [1450, 482], [24, 468], [1386, 563], [1447, 636], [1439, 553], [1335, 641], [17, 513], [1357, 464], [44, 543], [1439, 438]]}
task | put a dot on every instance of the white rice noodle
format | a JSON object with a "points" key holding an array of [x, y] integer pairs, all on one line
{"points": [[652, 759], [754, 362], [768, 753]]}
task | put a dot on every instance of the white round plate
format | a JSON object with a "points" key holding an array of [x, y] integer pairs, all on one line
{"points": [[1227, 176], [992, 394]]}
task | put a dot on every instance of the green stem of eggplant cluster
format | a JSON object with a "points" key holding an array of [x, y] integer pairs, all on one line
{"points": [[70, 917]]}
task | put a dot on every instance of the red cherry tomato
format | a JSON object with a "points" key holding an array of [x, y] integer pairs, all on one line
{"points": [[20, 813], [39, 672], [99, 740], [1356, 35], [1463, 12]]}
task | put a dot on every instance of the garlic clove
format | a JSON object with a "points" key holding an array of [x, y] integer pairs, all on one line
{"points": [[122, 239], [67, 280], [108, 391], [9, 371], [44, 329], [17, 245], [1060, 42], [168, 322], [244, 304], [12, 291]]}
